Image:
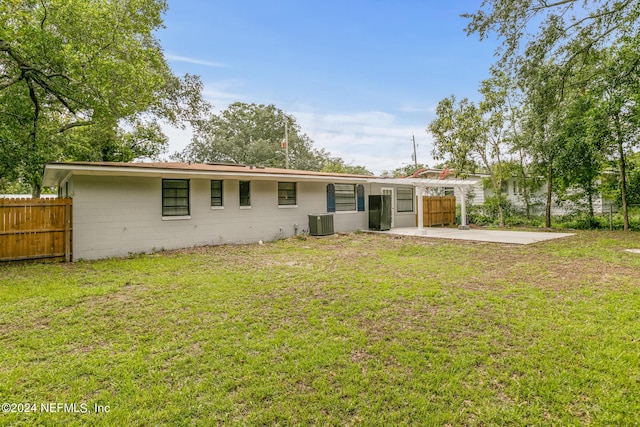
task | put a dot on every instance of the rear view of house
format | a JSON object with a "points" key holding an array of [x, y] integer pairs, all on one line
{"points": [[122, 208]]}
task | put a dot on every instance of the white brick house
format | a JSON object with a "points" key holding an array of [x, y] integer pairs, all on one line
{"points": [[122, 208]]}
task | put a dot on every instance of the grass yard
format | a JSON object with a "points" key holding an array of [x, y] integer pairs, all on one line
{"points": [[357, 329]]}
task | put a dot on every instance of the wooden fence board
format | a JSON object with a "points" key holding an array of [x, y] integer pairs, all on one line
{"points": [[438, 210], [35, 228]]}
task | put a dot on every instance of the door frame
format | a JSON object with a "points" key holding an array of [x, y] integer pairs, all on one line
{"points": [[391, 192]]}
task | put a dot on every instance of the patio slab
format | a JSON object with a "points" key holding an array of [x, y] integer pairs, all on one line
{"points": [[497, 236]]}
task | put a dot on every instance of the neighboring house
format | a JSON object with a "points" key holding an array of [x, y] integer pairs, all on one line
{"points": [[477, 194], [122, 208], [514, 193]]}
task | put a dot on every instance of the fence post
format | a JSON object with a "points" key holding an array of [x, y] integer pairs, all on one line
{"points": [[610, 217], [67, 232]]}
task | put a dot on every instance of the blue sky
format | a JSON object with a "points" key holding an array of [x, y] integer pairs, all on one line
{"points": [[359, 76]]}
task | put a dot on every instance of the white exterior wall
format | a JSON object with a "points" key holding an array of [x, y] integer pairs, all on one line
{"points": [[400, 219], [477, 190], [115, 216]]}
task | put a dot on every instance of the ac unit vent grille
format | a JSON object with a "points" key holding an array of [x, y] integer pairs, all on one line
{"points": [[321, 224]]}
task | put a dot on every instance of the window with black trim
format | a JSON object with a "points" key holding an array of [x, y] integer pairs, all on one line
{"points": [[404, 197], [345, 197], [216, 193], [175, 197], [287, 195], [245, 193]]}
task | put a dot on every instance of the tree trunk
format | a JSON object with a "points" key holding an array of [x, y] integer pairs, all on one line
{"points": [[623, 174], [36, 189], [547, 221], [524, 187], [591, 215], [623, 186]]}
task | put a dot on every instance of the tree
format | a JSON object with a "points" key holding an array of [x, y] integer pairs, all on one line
{"points": [[85, 80], [543, 115], [567, 29], [581, 160], [337, 165], [404, 171], [618, 90], [522, 166], [633, 192], [588, 45], [253, 134], [468, 136]]}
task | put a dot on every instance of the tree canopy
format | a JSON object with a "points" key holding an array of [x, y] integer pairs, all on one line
{"points": [[254, 134], [565, 30], [85, 80], [571, 69], [469, 136]]}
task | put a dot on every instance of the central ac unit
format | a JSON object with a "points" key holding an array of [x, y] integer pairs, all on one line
{"points": [[321, 224]]}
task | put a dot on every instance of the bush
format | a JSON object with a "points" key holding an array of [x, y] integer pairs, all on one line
{"points": [[522, 221], [580, 221], [487, 215]]}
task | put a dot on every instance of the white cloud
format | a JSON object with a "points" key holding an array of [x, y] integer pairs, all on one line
{"points": [[178, 138], [376, 140], [425, 109], [196, 61], [220, 99], [372, 139]]}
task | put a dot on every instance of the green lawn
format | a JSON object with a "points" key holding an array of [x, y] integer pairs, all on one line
{"points": [[358, 329]]}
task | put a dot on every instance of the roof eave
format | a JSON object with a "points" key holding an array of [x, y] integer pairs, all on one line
{"points": [[56, 174]]}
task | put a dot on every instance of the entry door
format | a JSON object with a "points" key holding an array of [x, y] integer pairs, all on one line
{"points": [[389, 192]]}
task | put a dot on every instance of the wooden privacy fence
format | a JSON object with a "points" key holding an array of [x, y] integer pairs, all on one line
{"points": [[438, 210], [35, 228]]}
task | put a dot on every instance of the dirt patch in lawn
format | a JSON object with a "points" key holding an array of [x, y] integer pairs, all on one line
{"points": [[471, 265]]}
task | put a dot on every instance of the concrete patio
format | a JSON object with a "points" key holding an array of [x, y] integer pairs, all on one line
{"points": [[479, 235]]}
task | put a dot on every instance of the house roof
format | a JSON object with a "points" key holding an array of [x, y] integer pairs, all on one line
{"points": [[57, 173]]}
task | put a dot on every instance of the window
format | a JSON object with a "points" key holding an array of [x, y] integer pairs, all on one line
{"points": [[518, 188], [345, 197], [175, 197], [405, 199], [216, 193], [287, 194], [245, 193]]}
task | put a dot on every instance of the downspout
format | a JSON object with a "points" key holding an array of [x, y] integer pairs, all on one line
{"points": [[419, 193]]}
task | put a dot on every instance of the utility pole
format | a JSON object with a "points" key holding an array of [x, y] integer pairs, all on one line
{"points": [[285, 145], [415, 156]]}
